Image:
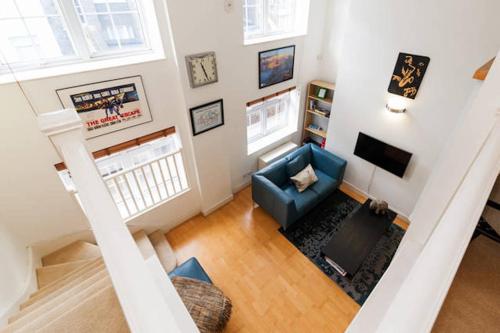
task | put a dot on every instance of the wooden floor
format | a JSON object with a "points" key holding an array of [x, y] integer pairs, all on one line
{"points": [[273, 287]]}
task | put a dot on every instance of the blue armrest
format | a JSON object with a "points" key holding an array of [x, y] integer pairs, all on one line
{"points": [[330, 164], [273, 199], [191, 268]]}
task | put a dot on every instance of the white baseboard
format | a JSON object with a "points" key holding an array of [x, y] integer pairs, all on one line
{"points": [[242, 186], [221, 203], [356, 189]]}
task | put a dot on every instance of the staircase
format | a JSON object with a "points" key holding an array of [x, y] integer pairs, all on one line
{"points": [[75, 293]]}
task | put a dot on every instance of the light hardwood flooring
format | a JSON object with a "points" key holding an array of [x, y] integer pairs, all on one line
{"points": [[273, 287]]}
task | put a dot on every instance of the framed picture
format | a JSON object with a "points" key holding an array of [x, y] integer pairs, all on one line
{"points": [[276, 65], [207, 116], [321, 93], [108, 106], [408, 74]]}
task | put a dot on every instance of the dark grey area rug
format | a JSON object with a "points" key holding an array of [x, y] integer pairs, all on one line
{"points": [[315, 229]]}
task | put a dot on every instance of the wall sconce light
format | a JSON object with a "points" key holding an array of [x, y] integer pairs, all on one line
{"points": [[396, 104], [395, 109]]}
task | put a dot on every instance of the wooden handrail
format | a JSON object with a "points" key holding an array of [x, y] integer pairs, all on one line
{"points": [[125, 145], [482, 72], [265, 98]]}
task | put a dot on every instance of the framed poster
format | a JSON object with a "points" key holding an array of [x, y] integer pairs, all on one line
{"points": [[207, 116], [276, 65], [408, 74], [108, 106]]}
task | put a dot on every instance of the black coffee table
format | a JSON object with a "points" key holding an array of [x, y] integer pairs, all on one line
{"points": [[356, 239]]}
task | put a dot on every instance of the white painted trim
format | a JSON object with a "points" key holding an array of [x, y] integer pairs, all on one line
{"points": [[29, 286], [242, 186], [218, 205]]}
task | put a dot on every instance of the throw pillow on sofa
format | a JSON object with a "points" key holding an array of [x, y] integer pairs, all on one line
{"points": [[304, 178]]}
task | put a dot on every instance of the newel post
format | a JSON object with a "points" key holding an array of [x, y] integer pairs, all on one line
{"points": [[141, 300]]}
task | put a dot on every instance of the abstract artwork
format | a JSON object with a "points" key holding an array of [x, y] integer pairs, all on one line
{"points": [[276, 66], [207, 116], [108, 106], [408, 74]]}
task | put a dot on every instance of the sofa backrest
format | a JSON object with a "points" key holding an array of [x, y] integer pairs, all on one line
{"points": [[277, 172]]}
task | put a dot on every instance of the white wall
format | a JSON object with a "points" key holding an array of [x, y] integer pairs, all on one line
{"points": [[200, 26], [15, 263], [37, 207], [458, 36]]}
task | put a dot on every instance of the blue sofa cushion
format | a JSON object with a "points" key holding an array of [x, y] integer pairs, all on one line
{"points": [[296, 165], [276, 173], [304, 200], [191, 268], [325, 184]]}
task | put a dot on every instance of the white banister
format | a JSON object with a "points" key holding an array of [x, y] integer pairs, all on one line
{"points": [[141, 299], [156, 180], [447, 179], [417, 304]]}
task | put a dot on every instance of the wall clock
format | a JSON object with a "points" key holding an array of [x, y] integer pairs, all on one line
{"points": [[202, 69]]}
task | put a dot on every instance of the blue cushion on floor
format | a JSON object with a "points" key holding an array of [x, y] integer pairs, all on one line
{"points": [[191, 269], [303, 200], [325, 184]]}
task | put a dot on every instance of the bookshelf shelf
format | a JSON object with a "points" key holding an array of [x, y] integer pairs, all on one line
{"points": [[317, 132], [319, 101]]}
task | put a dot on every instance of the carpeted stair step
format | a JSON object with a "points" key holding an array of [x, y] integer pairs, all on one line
{"points": [[62, 286], [78, 250], [34, 321], [163, 250], [48, 274], [67, 277], [144, 244], [53, 299], [99, 313]]}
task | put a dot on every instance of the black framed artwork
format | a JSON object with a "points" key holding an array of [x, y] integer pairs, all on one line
{"points": [[108, 106], [408, 74], [276, 65], [206, 117]]}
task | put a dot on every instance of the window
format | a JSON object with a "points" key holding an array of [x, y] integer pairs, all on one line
{"points": [[272, 19], [40, 33], [271, 119], [141, 177]]}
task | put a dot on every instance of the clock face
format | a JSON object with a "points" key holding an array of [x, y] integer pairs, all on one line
{"points": [[202, 69]]}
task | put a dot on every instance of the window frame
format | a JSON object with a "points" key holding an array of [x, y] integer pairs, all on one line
{"points": [[268, 136], [83, 56], [262, 109], [300, 22]]}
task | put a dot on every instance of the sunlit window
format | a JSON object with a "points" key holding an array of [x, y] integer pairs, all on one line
{"points": [[41, 33], [141, 177], [268, 18], [270, 120]]}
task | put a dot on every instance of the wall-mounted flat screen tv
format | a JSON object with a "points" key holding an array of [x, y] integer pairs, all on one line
{"points": [[381, 154]]}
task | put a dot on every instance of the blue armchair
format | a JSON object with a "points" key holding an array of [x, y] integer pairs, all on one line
{"points": [[273, 190]]}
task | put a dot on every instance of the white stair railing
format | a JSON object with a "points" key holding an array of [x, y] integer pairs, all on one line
{"points": [[398, 296], [418, 301], [148, 184], [141, 299]]}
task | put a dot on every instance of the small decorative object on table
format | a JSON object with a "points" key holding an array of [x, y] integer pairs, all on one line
{"points": [[379, 207]]}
